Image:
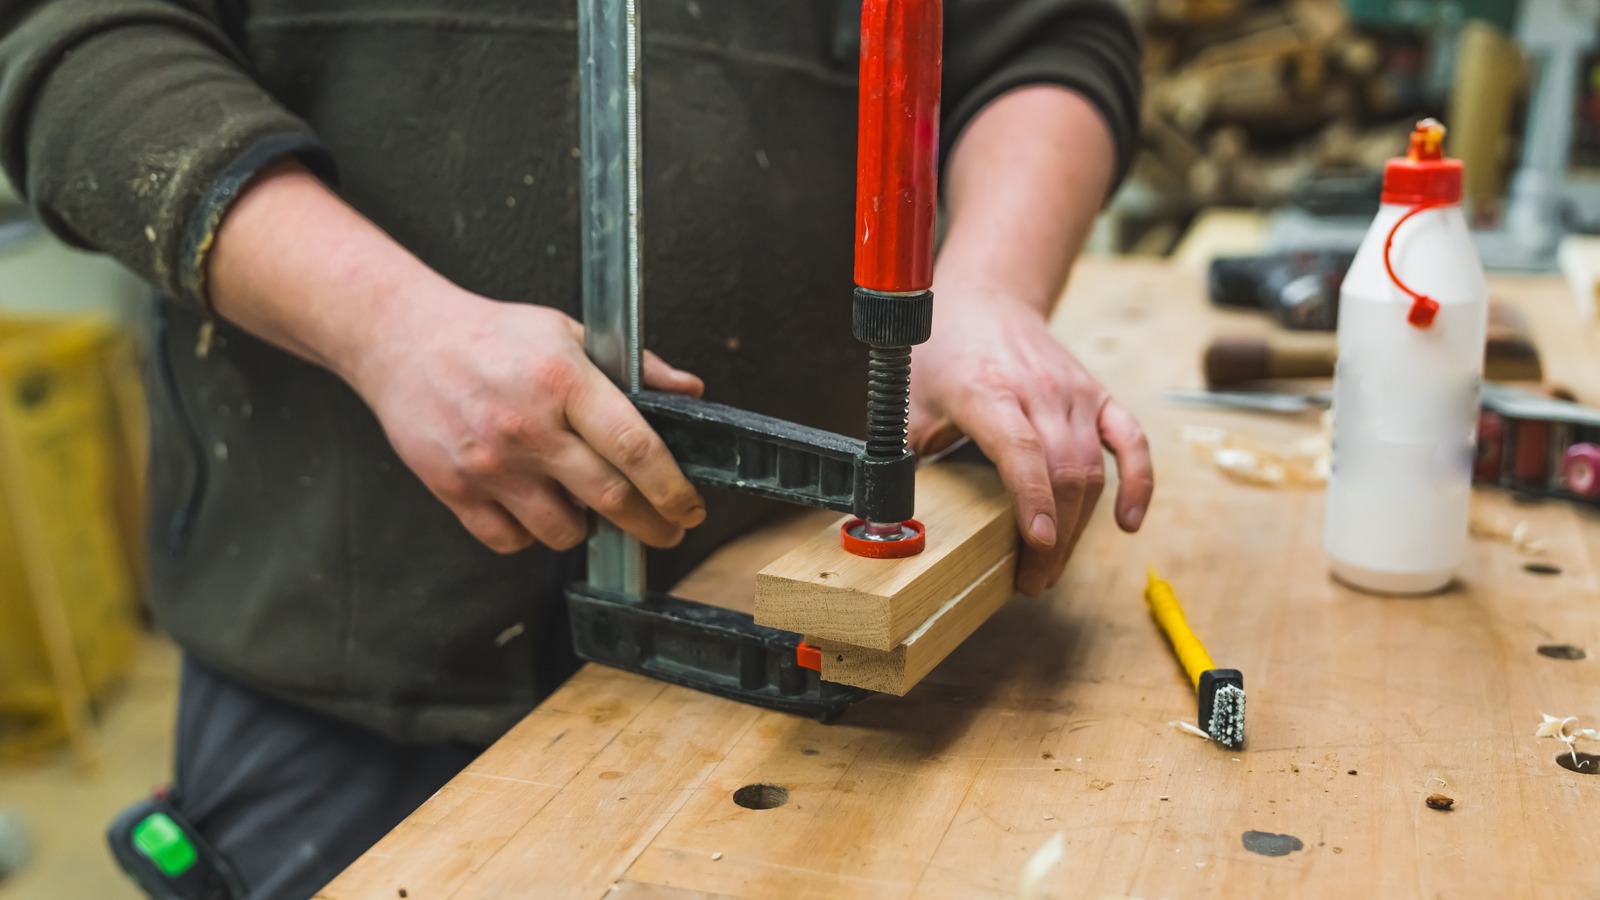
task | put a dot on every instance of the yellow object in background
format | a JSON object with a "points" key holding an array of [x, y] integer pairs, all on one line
{"points": [[68, 611]]}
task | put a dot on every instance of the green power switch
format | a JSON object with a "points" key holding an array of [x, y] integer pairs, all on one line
{"points": [[160, 839]]}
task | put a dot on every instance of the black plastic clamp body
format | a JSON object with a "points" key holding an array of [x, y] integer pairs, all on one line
{"points": [[707, 648], [886, 488], [733, 448]]}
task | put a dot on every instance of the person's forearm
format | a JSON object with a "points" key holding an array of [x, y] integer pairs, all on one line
{"points": [[148, 93], [295, 265], [493, 406], [1022, 188]]}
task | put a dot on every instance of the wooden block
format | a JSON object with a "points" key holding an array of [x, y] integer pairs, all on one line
{"points": [[898, 671], [821, 590]]}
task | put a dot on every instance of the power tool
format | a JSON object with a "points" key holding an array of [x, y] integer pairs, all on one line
{"points": [[1300, 289], [614, 620]]}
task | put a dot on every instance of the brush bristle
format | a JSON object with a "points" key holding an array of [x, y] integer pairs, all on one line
{"points": [[1227, 717]]}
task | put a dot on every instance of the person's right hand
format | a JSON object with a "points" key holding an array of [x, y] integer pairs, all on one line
{"points": [[493, 405], [498, 410]]}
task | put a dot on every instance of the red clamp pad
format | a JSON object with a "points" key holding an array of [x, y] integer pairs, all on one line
{"points": [[808, 657], [911, 546]]}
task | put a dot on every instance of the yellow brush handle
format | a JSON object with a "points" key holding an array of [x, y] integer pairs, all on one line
{"points": [[1164, 606]]}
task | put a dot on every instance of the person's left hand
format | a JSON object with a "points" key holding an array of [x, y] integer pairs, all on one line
{"points": [[993, 371]]}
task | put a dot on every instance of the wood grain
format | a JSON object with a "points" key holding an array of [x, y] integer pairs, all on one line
{"points": [[1052, 718], [899, 670], [821, 590]]}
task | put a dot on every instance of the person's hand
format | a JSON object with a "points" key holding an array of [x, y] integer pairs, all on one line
{"points": [[493, 405], [499, 412], [992, 371]]}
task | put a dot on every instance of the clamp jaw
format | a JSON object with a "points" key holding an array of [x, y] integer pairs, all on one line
{"points": [[614, 620]]}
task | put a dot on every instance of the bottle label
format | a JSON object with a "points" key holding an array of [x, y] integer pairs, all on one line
{"points": [[1404, 424]]}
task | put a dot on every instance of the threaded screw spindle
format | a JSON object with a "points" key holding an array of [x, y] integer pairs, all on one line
{"points": [[888, 401]]}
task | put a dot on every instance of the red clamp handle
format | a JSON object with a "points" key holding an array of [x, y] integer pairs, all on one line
{"points": [[897, 152]]}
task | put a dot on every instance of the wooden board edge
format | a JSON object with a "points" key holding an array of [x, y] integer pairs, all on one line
{"points": [[876, 621], [966, 503], [828, 613], [899, 670], [987, 549]]}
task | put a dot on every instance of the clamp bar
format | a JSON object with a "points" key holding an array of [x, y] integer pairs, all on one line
{"points": [[608, 112]]}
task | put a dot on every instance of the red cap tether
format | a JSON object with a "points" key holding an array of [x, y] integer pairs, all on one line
{"points": [[1424, 174]]}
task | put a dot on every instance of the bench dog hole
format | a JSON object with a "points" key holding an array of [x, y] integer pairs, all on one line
{"points": [[1585, 764], [761, 796], [1562, 651]]}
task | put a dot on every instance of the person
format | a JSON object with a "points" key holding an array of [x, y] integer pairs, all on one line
{"points": [[375, 432]]}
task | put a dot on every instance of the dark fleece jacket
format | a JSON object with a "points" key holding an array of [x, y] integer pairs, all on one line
{"points": [[291, 549]]}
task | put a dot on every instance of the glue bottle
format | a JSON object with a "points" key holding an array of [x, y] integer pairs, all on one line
{"points": [[1413, 312]]}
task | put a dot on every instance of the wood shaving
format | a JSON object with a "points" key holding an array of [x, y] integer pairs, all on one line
{"points": [[1190, 729], [1566, 730], [1496, 528], [1301, 464], [1040, 864]]}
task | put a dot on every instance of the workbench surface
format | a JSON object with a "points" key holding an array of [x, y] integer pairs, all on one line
{"points": [[1054, 717]]}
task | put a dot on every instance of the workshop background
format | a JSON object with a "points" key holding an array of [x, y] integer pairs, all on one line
{"points": [[1266, 125]]}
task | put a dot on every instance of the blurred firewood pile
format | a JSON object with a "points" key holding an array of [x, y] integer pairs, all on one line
{"points": [[1246, 100]]}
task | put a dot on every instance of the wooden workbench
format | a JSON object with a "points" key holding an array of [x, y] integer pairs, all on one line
{"points": [[1054, 717]]}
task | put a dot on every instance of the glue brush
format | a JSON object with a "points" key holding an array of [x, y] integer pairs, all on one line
{"points": [[1221, 691]]}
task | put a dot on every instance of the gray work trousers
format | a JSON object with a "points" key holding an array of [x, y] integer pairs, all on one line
{"points": [[286, 796]]}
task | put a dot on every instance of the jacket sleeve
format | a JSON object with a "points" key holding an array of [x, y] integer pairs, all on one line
{"points": [[1089, 46], [130, 126]]}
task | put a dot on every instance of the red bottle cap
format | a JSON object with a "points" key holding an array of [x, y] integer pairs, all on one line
{"points": [[1423, 311], [1424, 174]]}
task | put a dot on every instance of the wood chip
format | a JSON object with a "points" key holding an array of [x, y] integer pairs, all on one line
{"points": [[1558, 727], [1440, 802], [1496, 528], [1302, 463]]}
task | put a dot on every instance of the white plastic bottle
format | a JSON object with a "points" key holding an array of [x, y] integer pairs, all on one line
{"points": [[1412, 314]]}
